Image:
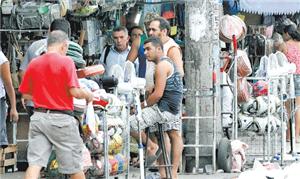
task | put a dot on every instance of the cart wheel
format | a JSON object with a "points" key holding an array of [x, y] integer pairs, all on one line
{"points": [[224, 157]]}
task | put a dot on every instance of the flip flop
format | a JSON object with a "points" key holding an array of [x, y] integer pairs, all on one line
{"points": [[152, 158], [135, 162]]}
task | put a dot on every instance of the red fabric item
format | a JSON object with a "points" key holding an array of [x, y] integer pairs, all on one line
{"points": [[90, 71], [260, 88], [48, 79], [100, 102], [168, 15]]}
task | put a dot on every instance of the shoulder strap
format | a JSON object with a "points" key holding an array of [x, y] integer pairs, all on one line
{"points": [[106, 53], [167, 59]]}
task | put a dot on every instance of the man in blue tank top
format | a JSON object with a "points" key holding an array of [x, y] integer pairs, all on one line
{"points": [[163, 105]]}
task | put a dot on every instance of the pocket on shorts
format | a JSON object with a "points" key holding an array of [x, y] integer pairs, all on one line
{"points": [[63, 128], [70, 161]]}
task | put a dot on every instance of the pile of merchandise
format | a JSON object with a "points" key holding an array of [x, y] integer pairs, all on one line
{"points": [[93, 130], [260, 103]]}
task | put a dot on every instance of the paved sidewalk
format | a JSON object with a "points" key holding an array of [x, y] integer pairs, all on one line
{"points": [[135, 175]]}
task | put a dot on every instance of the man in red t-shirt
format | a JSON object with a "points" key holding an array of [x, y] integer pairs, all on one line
{"points": [[51, 82]]}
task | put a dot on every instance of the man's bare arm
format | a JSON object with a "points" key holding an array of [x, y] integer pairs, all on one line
{"points": [[175, 54], [133, 53], [6, 78], [27, 96], [81, 94]]}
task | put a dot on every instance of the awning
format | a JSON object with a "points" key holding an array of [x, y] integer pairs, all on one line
{"points": [[270, 7]]}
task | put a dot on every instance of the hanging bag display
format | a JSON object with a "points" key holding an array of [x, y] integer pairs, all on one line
{"points": [[243, 64], [32, 15], [232, 25], [243, 94]]}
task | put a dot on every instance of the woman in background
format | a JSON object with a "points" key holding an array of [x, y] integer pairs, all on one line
{"points": [[292, 41]]}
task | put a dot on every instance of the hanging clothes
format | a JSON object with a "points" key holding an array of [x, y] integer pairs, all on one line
{"points": [[167, 11], [180, 13], [231, 7]]}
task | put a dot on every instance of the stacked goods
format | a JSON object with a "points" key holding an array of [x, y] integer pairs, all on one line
{"points": [[115, 144], [8, 158], [118, 164], [255, 113], [75, 52]]}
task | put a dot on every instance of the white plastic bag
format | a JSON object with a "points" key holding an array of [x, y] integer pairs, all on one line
{"points": [[90, 118], [262, 69]]}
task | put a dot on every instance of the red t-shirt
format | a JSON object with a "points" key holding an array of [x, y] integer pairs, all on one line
{"points": [[48, 79]]}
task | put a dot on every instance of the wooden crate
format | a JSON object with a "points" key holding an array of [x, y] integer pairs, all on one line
{"points": [[8, 158]]}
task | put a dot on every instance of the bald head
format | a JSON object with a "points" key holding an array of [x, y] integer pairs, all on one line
{"points": [[57, 41]]}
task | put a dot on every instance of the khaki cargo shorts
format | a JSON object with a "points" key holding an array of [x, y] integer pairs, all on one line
{"points": [[60, 132]]}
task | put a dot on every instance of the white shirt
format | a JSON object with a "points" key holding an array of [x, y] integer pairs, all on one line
{"points": [[3, 59], [114, 57]]}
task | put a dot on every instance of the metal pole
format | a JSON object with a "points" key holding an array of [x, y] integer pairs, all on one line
{"points": [[128, 137], [292, 127], [235, 125], [214, 122], [106, 169], [283, 123], [15, 128], [268, 124], [140, 145], [197, 131]]}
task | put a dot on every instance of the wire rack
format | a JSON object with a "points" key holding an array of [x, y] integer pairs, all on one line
{"points": [[269, 144], [111, 158]]}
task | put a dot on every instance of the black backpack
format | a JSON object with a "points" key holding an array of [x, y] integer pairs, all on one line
{"points": [[107, 49]]}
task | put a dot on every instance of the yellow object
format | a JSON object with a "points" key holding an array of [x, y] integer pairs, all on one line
{"points": [[54, 164], [173, 30], [115, 144], [241, 16], [63, 8]]}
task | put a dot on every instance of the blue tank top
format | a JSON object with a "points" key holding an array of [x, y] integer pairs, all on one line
{"points": [[173, 93]]}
